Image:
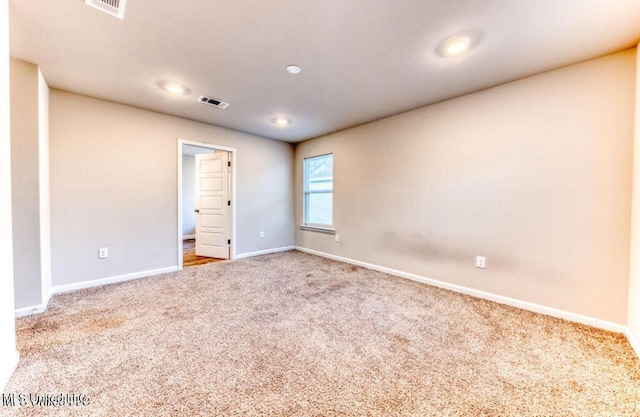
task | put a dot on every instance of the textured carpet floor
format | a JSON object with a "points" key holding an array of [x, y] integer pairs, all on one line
{"points": [[291, 334]]}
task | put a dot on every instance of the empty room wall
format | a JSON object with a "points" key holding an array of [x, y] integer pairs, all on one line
{"points": [[8, 355], [30, 181], [43, 183], [535, 175], [634, 283], [25, 188], [114, 184], [188, 195]]}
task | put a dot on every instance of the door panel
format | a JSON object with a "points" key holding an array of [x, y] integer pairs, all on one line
{"points": [[212, 210], [212, 239], [211, 184], [211, 202], [213, 165], [211, 220]]}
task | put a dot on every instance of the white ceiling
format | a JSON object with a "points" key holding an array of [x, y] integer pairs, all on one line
{"points": [[361, 60]]}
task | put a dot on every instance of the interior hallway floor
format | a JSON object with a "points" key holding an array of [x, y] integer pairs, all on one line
{"points": [[189, 257]]}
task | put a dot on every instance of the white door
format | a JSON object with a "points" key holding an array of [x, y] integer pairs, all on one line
{"points": [[212, 205]]}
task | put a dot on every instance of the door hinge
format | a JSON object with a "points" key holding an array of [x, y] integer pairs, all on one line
{"points": [[228, 163], [229, 241], [228, 202]]}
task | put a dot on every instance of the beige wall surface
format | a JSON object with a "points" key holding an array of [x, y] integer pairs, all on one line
{"points": [[43, 183], [8, 354], [25, 166], [535, 175], [114, 184], [188, 195], [634, 282]]}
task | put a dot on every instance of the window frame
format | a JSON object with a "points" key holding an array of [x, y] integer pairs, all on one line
{"points": [[306, 193]]}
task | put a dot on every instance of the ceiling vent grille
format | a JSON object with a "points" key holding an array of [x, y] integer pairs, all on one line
{"points": [[112, 7], [213, 102]]}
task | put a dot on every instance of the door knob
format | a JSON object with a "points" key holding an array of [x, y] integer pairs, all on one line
{"points": [[197, 210]]}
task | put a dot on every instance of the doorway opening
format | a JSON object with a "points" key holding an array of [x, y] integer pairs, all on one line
{"points": [[206, 203]]}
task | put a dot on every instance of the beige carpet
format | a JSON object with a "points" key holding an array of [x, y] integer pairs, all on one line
{"points": [[291, 334]]}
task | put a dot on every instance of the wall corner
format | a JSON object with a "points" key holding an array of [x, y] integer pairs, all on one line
{"points": [[8, 354]]}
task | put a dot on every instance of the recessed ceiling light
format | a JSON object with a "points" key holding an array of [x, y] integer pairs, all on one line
{"points": [[281, 121], [174, 88], [455, 46], [293, 69]]}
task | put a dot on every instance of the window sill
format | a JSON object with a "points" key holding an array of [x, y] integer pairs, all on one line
{"points": [[320, 229]]}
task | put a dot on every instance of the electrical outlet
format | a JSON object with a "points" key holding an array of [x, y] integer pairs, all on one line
{"points": [[261, 235], [481, 262], [103, 253]]}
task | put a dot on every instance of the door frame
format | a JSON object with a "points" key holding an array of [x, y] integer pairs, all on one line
{"points": [[233, 153]]}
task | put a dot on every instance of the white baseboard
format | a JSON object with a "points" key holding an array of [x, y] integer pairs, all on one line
{"points": [[37, 309], [525, 305], [537, 308], [6, 370], [263, 252], [41, 308], [112, 280], [188, 237], [28, 311], [633, 341], [47, 297]]}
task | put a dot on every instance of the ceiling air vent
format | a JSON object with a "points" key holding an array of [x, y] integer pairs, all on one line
{"points": [[213, 102], [112, 7]]}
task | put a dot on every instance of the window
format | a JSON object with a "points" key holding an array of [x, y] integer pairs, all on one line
{"points": [[318, 190]]}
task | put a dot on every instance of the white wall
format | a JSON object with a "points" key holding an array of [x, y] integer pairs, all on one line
{"points": [[114, 184], [634, 273], [8, 355], [26, 144], [188, 195], [43, 183], [535, 175]]}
